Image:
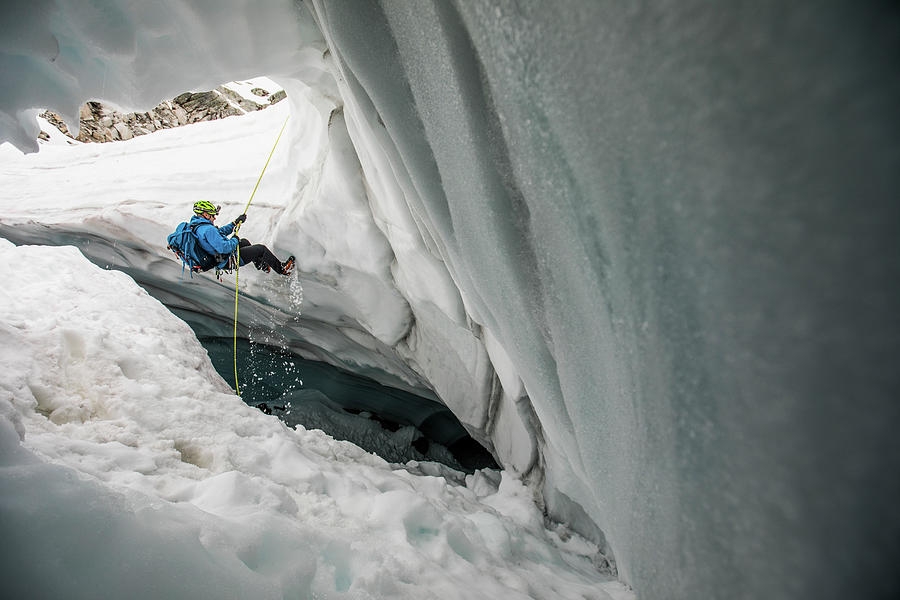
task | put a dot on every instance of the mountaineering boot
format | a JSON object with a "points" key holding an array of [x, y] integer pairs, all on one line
{"points": [[287, 266]]}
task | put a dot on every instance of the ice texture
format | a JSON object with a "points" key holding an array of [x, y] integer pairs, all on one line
{"points": [[646, 252]]}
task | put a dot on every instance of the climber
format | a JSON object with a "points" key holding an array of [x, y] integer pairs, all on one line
{"points": [[213, 241]]}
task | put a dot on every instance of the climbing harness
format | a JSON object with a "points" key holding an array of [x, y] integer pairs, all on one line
{"points": [[237, 260], [230, 265]]}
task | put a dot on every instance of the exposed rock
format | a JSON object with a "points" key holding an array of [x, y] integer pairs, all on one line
{"points": [[181, 116], [100, 123], [245, 104], [123, 130], [56, 121]]}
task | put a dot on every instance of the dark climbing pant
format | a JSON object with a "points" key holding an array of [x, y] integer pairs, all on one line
{"points": [[259, 255]]}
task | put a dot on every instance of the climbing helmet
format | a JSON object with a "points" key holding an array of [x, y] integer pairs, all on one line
{"points": [[202, 206]]}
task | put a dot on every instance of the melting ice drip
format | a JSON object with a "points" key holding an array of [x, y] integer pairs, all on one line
{"points": [[295, 296]]}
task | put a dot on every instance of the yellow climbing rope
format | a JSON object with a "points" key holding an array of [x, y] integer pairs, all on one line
{"points": [[238, 256]]}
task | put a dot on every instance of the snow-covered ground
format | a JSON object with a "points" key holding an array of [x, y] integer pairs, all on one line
{"points": [[130, 469]]}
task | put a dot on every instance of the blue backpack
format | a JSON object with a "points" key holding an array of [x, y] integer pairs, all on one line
{"points": [[183, 242]]}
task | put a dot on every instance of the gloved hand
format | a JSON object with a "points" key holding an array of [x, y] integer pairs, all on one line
{"points": [[240, 219]]}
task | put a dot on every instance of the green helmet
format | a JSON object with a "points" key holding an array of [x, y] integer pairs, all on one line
{"points": [[202, 206]]}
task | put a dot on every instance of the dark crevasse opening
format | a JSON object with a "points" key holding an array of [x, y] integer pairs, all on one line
{"points": [[395, 424]]}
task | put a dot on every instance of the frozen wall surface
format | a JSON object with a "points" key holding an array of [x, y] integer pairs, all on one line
{"points": [[645, 251]]}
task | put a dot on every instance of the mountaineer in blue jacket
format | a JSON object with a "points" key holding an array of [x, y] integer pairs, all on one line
{"points": [[214, 240]]}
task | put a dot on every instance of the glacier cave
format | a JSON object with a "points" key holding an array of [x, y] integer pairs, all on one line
{"points": [[645, 253]]}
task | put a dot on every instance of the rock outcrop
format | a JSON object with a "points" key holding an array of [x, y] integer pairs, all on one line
{"points": [[102, 123]]}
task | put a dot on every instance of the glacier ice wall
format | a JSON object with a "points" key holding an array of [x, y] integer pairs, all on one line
{"points": [[646, 252]]}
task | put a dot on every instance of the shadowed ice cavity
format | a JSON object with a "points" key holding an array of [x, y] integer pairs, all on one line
{"points": [[397, 425]]}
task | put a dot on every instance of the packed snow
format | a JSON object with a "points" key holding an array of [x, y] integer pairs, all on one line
{"points": [[130, 469]]}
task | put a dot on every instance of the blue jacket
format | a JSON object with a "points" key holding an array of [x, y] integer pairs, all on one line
{"points": [[213, 239]]}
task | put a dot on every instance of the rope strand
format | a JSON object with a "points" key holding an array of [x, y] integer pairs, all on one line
{"points": [[237, 263]]}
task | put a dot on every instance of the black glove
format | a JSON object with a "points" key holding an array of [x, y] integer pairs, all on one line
{"points": [[240, 219]]}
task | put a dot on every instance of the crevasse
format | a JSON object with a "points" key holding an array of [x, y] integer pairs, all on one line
{"points": [[646, 254]]}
